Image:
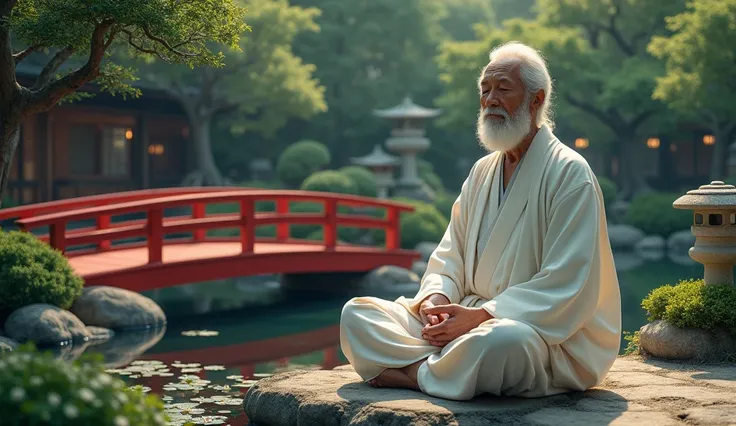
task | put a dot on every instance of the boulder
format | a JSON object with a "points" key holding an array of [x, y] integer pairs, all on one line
{"points": [[388, 276], [426, 249], [663, 340], [45, 324], [419, 267], [680, 242], [624, 236], [651, 243], [7, 345], [116, 308]]}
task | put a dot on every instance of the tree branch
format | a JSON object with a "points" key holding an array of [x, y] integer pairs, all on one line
{"points": [[602, 116], [51, 67], [46, 97], [19, 56], [639, 119], [615, 33], [166, 44]]}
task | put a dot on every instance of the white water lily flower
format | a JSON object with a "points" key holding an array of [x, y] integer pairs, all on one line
{"points": [[71, 411], [17, 394], [121, 421], [86, 395], [54, 399]]}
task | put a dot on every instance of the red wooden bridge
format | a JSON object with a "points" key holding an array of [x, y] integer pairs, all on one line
{"points": [[100, 254]]}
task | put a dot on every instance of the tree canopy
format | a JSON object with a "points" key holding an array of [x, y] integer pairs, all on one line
{"points": [[700, 65]]}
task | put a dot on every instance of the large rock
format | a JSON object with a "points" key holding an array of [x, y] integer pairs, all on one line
{"points": [[651, 243], [680, 242], [45, 324], [426, 249], [389, 276], [634, 393], [624, 236], [7, 344], [663, 340], [116, 308], [419, 267]]}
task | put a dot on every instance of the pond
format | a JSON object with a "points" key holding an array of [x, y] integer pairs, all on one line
{"points": [[202, 364]]}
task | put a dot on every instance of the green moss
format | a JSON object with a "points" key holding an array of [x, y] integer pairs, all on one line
{"points": [[692, 304]]}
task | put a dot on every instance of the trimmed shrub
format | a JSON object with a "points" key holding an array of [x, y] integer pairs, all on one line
{"points": [[692, 304], [425, 223], [444, 203], [33, 272], [364, 180], [300, 160], [609, 189], [654, 215], [38, 389], [330, 181], [427, 174]]}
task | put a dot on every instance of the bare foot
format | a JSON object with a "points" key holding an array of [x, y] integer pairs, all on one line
{"points": [[412, 369], [393, 378]]}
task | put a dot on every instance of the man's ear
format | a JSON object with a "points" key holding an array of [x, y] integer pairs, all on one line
{"points": [[538, 99]]}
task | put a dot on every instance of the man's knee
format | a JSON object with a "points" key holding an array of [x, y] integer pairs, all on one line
{"points": [[505, 337], [353, 310]]}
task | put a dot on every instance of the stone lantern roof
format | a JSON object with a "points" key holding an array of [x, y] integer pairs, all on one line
{"points": [[377, 158], [407, 109], [716, 195]]}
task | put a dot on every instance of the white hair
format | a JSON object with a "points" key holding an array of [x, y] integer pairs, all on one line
{"points": [[534, 75]]}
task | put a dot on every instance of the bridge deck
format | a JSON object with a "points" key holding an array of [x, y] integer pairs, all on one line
{"points": [[203, 261]]}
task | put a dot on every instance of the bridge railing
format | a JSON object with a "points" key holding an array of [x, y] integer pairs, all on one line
{"points": [[31, 210], [156, 226]]}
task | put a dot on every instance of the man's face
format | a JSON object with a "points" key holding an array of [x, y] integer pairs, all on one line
{"points": [[505, 116]]}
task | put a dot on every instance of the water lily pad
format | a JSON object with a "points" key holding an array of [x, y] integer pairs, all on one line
{"points": [[210, 420], [214, 367], [234, 377], [200, 333]]}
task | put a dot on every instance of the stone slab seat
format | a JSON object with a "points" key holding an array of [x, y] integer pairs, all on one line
{"points": [[634, 393]]}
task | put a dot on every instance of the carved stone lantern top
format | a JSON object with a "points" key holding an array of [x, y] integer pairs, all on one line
{"points": [[716, 195]]}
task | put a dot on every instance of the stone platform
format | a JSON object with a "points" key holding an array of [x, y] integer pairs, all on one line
{"points": [[636, 392]]}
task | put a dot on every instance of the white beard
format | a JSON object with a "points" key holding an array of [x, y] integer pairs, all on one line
{"points": [[507, 134]]}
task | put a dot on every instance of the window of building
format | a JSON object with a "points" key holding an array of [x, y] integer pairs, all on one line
{"points": [[96, 150], [115, 151], [83, 150]]}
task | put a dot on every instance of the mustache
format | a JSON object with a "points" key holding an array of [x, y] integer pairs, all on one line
{"points": [[496, 111]]}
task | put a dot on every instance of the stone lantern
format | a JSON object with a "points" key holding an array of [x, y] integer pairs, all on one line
{"points": [[382, 165], [714, 227], [407, 139]]}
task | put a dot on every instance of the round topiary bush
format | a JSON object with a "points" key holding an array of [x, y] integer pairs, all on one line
{"points": [[654, 215], [609, 190], [425, 223], [427, 174], [300, 160], [330, 181], [364, 180], [33, 272], [692, 304], [444, 203], [38, 389]]}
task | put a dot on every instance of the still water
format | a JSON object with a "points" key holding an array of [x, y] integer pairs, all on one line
{"points": [[202, 364]]}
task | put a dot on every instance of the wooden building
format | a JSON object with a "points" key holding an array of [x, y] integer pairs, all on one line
{"points": [[99, 145]]}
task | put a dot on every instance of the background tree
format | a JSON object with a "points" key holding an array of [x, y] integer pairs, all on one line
{"points": [[261, 87], [596, 51], [699, 70], [69, 29]]}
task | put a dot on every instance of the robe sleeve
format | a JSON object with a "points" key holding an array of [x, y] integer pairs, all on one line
{"points": [[445, 273], [559, 299]]}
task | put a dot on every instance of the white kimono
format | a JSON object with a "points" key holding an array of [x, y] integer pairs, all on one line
{"points": [[546, 275]]}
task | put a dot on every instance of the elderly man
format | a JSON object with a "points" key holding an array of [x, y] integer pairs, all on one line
{"points": [[520, 297]]}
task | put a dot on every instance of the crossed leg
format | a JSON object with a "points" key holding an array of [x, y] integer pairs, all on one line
{"points": [[383, 342]]}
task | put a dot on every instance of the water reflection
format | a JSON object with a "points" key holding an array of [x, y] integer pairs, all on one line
{"points": [[258, 332]]}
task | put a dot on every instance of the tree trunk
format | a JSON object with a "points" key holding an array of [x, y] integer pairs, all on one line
{"points": [[9, 137], [203, 151], [632, 182]]}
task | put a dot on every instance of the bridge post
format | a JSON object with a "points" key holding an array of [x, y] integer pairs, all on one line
{"points": [[155, 234], [393, 234], [103, 222], [57, 236], [247, 225], [330, 227], [198, 212], [282, 229]]}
